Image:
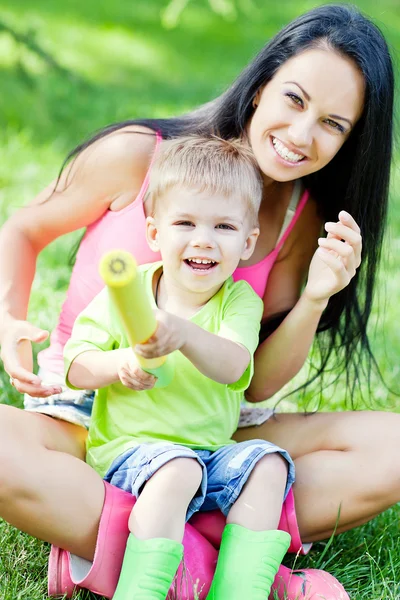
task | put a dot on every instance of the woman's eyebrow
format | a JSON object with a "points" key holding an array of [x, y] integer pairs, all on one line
{"points": [[308, 98], [302, 89], [341, 119]]}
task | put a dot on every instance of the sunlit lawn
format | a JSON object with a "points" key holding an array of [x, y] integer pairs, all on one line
{"points": [[117, 62]]}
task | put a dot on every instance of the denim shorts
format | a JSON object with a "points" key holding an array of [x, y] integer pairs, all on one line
{"points": [[74, 406], [225, 471]]}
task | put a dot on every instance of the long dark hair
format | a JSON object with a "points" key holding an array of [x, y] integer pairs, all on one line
{"points": [[356, 179]]}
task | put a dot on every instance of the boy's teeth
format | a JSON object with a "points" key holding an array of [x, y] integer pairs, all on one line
{"points": [[201, 261], [285, 152]]}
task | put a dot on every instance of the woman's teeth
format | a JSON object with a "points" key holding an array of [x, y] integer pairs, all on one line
{"points": [[286, 153]]}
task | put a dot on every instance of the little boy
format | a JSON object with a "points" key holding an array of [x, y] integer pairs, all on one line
{"points": [[172, 447]]}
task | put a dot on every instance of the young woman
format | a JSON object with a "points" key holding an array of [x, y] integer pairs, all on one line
{"points": [[316, 107]]}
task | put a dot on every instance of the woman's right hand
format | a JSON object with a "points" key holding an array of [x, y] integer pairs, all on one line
{"points": [[16, 354], [78, 198]]}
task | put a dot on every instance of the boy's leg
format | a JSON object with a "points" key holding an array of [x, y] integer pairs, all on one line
{"points": [[164, 478], [259, 504], [248, 483], [161, 508]]}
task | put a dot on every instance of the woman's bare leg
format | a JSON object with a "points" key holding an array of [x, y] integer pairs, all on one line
{"points": [[347, 460], [45, 487]]}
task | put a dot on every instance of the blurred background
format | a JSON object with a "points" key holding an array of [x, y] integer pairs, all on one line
{"points": [[68, 69]]}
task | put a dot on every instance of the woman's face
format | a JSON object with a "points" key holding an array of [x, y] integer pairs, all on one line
{"points": [[305, 114]]}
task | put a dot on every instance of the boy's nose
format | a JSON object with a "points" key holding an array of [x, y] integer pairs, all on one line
{"points": [[203, 241]]}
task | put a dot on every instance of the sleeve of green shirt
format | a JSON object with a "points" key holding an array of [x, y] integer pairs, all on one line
{"points": [[94, 329], [241, 323]]}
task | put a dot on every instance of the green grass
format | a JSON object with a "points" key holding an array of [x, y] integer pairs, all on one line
{"points": [[119, 63]]}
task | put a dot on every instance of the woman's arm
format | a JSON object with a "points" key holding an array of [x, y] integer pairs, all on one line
{"points": [[280, 357], [108, 174]]}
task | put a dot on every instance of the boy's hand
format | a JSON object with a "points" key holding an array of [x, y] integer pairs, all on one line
{"points": [[169, 336], [335, 262], [131, 375]]}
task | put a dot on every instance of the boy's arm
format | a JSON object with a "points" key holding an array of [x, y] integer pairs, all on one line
{"points": [[94, 369], [223, 357], [216, 357], [90, 358]]}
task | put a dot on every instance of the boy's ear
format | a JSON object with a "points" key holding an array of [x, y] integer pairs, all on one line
{"points": [[152, 234], [250, 243]]}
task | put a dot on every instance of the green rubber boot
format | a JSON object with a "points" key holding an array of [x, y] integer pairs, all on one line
{"points": [[247, 564], [148, 569]]}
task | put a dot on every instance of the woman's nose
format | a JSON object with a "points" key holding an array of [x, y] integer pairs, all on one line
{"points": [[300, 132]]}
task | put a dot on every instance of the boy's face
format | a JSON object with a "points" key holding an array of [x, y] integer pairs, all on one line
{"points": [[201, 237]]}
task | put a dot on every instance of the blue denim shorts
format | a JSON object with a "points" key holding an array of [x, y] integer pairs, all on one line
{"points": [[225, 471], [74, 406]]}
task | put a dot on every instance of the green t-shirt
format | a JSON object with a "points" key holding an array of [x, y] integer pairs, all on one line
{"points": [[192, 410]]}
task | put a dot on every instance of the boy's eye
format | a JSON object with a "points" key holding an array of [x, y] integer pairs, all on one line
{"points": [[335, 125], [225, 226], [184, 224], [295, 98]]}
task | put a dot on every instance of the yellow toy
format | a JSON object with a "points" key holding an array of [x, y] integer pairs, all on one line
{"points": [[118, 270]]}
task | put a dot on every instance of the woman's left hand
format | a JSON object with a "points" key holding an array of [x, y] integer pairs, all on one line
{"points": [[335, 262], [169, 336]]}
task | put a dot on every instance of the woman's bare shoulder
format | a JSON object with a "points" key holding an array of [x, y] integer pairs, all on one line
{"points": [[119, 159], [108, 174]]}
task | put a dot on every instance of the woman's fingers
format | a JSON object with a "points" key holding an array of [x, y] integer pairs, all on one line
{"points": [[347, 219], [15, 370], [36, 391], [343, 233], [342, 250], [16, 351], [335, 263]]}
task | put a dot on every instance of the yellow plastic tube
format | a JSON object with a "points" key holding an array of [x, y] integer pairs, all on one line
{"points": [[118, 270]]}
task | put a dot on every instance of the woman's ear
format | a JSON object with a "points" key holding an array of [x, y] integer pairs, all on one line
{"points": [[250, 243], [256, 99], [152, 234]]}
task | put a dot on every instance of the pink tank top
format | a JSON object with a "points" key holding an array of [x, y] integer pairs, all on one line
{"points": [[125, 229]]}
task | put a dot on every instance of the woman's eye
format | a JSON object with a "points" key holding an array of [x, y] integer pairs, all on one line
{"points": [[225, 226], [335, 125], [295, 98]]}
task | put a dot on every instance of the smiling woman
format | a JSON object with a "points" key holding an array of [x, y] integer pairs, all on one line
{"points": [[305, 113], [315, 107]]}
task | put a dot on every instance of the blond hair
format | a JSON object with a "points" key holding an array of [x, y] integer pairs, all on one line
{"points": [[208, 164]]}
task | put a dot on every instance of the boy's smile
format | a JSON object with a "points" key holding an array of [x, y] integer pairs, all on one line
{"points": [[200, 265], [201, 237]]}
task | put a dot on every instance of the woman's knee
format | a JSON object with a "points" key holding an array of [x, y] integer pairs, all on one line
{"points": [[33, 430], [24, 438]]}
